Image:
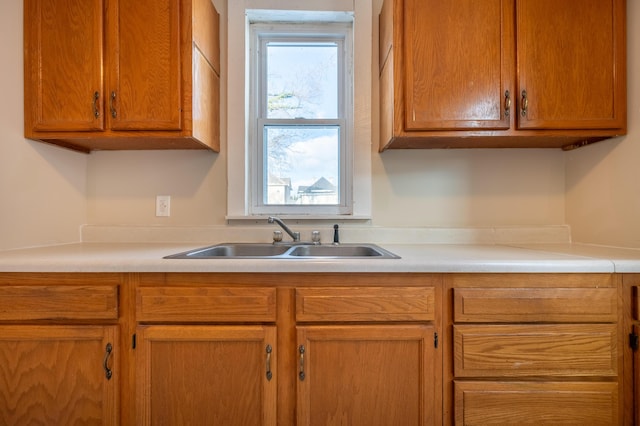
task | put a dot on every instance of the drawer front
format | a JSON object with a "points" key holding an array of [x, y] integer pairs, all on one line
{"points": [[535, 350], [520, 403], [205, 304], [365, 304], [535, 305], [58, 302]]}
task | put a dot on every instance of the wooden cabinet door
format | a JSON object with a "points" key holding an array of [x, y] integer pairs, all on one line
{"points": [[144, 64], [366, 375], [206, 375], [63, 55], [58, 375], [570, 58], [458, 64]]}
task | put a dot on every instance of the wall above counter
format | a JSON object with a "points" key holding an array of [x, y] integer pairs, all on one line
{"points": [[501, 74]]}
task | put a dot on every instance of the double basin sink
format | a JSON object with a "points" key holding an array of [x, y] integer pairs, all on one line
{"points": [[286, 251]]}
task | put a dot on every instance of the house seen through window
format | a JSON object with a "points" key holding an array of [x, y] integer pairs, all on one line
{"points": [[301, 119]]}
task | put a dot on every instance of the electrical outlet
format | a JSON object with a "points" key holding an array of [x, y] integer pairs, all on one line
{"points": [[163, 205]]}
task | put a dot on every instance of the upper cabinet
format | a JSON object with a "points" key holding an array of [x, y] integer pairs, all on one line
{"points": [[122, 74], [501, 73]]}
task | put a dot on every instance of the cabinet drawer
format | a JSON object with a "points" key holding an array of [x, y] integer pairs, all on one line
{"points": [[535, 305], [535, 350], [365, 304], [58, 302], [519, 403], [205, 304]]}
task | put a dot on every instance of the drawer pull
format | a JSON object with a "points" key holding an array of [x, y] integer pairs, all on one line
{"points": [[107, 353], [524, 103], [96, 108], [507, 103], [112, 108], [269, 373], [301, 373]]}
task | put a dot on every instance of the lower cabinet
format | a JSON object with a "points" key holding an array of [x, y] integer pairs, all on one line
{"points": [[366, 375], [59, 349], [58, 375], [239, 350], [319, 349], [535, 349], [206, 375]]}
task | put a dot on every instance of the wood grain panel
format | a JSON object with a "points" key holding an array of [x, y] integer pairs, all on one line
{"points": [[365, 304], [636, 303], [535, 350], [54, 375], [192, 304], [535, 305], [367, 375], [549, 404], [58, 302], [206, 375]]}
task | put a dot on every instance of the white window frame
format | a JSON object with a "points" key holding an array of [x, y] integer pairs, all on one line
{"points": [[262, 33], [236, 59]]}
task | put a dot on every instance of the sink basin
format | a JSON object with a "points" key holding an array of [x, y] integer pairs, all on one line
{"points": [[233, 250], [285, 251], [345, 250]]}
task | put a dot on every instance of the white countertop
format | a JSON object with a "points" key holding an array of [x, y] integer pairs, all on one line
{"points": [[148, 257]]}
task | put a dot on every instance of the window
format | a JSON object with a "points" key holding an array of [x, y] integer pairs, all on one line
{"points": [[301, 118], [299, 150]]}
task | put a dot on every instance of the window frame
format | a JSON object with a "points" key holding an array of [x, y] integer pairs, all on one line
{"points": [[261, 33]]}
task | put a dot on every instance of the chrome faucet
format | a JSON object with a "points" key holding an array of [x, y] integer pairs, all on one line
{"points": [[294, 235]]}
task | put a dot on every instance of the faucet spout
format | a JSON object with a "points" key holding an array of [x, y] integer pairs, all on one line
{"points": [[294, 235]]}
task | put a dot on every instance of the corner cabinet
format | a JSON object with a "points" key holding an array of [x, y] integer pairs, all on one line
{"points": [[122, 74], [501, 73]]}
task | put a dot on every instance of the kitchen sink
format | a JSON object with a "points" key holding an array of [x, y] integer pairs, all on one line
{"points": [[286, 251]]}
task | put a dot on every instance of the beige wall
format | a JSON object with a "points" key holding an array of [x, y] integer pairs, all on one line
{"points": [[42, 188], [603, 180], [410, 188], [48, 192]]}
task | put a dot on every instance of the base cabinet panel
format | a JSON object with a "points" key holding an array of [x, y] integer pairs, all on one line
{"points": [[201, 375], [525, 403], [58, 375], [366, 375]]}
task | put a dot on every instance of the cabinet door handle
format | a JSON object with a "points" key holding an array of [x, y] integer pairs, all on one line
{"points": [[524, 103], [96, 107], [301, 374], [269, 350], [507, 103], [107, 353], [112, 108]]}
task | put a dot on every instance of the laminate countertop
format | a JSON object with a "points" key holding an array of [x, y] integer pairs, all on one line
{"points": [[437, 258]]}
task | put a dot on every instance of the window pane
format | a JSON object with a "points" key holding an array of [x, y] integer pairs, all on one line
{"points": [[302, 80], [302, 165]]}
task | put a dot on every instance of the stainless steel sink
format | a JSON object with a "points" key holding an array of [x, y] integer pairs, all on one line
{"points": [[233, 250], [343, 250], [286, 251]]}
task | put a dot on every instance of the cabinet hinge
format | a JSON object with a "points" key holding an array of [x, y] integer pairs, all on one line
{"points": [[634, 341], [435, 340], [133, 341]]}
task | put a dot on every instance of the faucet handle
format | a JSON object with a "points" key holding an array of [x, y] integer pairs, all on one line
{"points": [[277, 236], [315, 237]]}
